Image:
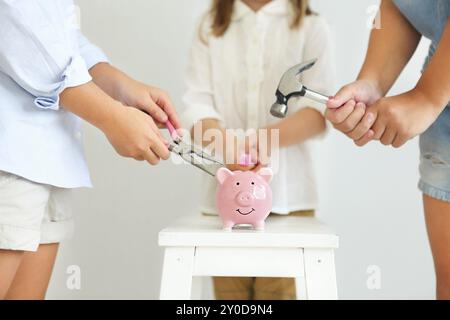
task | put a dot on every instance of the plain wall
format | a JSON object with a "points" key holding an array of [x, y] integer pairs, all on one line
{"points": [[369, 196]]}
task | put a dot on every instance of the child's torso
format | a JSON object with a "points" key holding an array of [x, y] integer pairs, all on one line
{"points": [[246, 66]]}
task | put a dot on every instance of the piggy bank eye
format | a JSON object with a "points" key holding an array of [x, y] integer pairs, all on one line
{"points": [[253, 183], [237, 183]]}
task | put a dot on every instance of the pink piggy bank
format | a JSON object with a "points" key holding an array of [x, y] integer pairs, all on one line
{"points": [[244, 197]]}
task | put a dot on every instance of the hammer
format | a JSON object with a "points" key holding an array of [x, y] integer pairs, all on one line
{"points": [[290, 86]]}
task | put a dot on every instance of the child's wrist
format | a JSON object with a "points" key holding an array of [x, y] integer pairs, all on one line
{"points": [[374, 83], [428, 98], [124, 86], [109, 116], [111, 80]]}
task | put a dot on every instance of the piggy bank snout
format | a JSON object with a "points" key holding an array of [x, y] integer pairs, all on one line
{"points": [[245, 198]]}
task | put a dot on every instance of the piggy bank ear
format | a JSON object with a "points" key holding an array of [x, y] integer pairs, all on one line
{"points": [[266, 174], [223, 174]]}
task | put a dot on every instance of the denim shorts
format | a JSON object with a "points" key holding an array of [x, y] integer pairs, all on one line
{"points": [[435, 158]]}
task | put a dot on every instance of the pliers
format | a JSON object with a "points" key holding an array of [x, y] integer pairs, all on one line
{"points": [[192, 154]]}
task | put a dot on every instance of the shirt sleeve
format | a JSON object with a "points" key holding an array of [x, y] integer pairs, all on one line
{"points": [[198, 98], [39, 58], [320, 77], [91, 54]]}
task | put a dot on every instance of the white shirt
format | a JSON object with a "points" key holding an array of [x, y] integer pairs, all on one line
{"points": [[234, 78], [42, 52]]}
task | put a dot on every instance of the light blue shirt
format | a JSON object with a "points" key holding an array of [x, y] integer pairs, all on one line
{"points": [[42, 52], [429, 17]]}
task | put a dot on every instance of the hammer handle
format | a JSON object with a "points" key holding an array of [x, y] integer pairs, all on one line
{"points": [[318, 97]]}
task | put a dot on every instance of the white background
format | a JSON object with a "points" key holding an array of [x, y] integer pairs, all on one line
{"points": [[369, 195]]}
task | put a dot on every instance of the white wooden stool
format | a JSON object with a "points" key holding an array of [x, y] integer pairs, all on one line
{"points": [[290, 247]]}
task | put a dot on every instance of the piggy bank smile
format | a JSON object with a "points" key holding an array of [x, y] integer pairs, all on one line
{"points": [[243, 212]]}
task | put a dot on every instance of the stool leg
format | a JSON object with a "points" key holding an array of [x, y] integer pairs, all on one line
{"points": [[320, 274], [300, 288], [197, 288], [176, 279]]}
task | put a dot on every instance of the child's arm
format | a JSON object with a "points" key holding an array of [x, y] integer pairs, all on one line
{"points": [[297, 128], [200, 115], [199, 129], [390, 49], [131, 132], [301, 126], [130, 92], [123, 88], [395, 120], [401, 118], [228, 144]]}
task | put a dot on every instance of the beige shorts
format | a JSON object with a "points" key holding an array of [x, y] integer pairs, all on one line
{"points": [[32, 213]]}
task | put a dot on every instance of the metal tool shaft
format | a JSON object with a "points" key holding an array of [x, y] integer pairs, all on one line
{"points": [[315, 96]]}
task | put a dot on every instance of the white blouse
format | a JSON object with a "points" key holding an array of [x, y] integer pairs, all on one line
{"points": [[234, 78]]}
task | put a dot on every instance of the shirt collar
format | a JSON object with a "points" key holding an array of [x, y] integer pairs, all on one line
{"points": [[275, 7]]}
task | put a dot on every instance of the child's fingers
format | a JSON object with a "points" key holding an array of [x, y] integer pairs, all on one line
{"points": [[365, 139], [379, 128], [165, 103], [399, 141], [237, 167], [363, 127], [151, 157], [150, 107], [155, 129], [258, 167], [353, 119], [173, 116], [342, 97], [159, 144], [337, 116], [159, 147], [388, 136], [160, 125]]}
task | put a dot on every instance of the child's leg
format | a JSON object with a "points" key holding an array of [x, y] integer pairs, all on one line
{"points": [[437, 214], [233, 288], [435, 185], [9, 263], [30, 214], [33, 276], [275, 289]]}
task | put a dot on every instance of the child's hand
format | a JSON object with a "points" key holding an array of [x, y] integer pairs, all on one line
{"points": [[347, 110], [151, 100], [261, 149], [253, 153], [241, 164], [238, 151], [130, 92], [239, 167], [401, 118], [134, 134], [246, 163]]}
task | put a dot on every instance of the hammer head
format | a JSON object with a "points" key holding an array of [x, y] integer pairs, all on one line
{"points": [[289, 86]]}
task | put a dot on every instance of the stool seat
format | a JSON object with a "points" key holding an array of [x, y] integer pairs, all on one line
{"points": [[280, 231], [294, 247]]}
